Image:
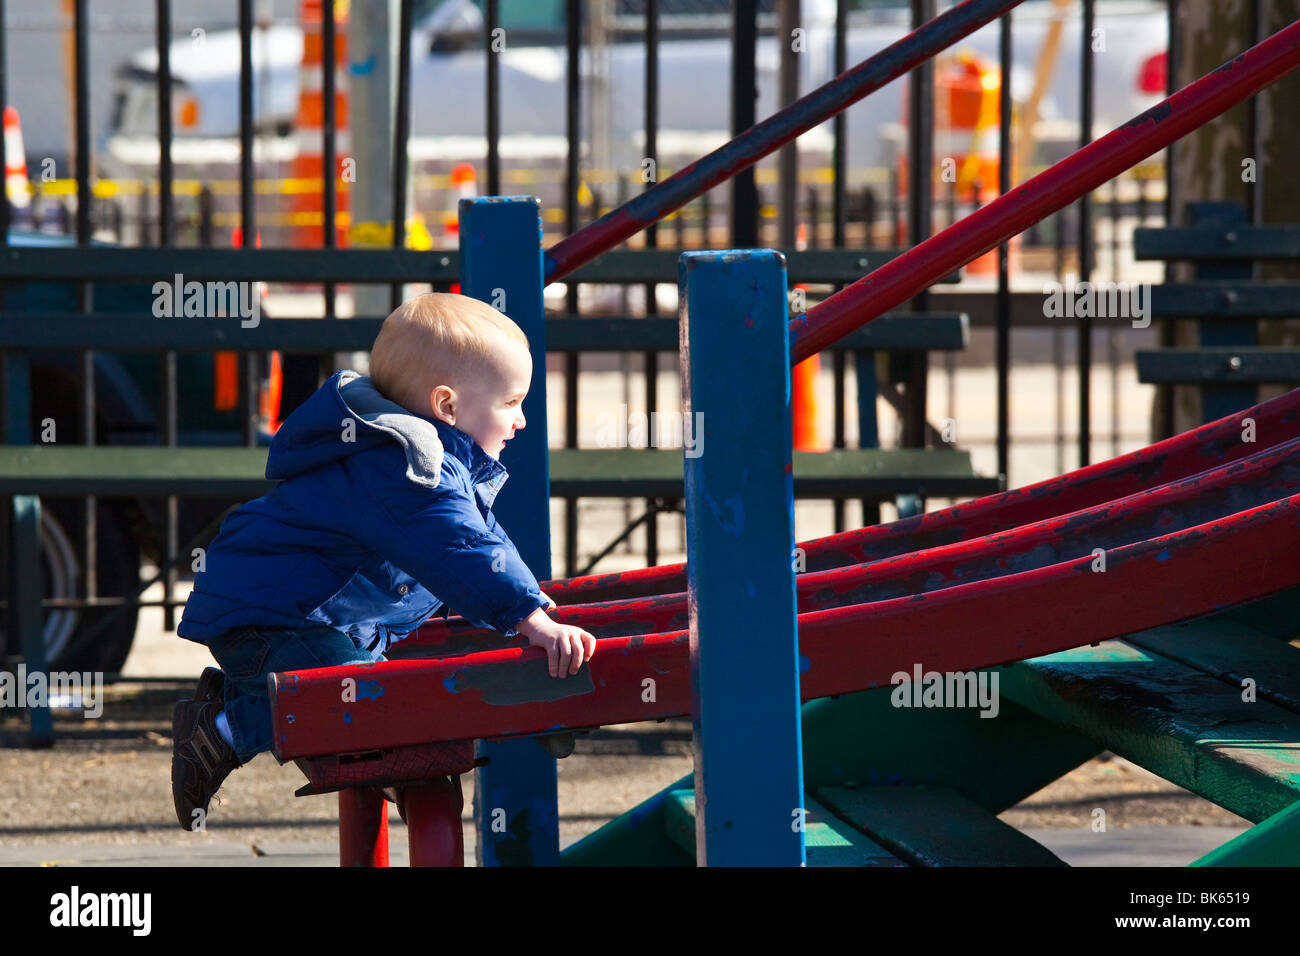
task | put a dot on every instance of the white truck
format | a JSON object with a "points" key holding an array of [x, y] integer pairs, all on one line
{"points": [[448, 87]]}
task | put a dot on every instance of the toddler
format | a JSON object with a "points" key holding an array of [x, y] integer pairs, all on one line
{"points": [[381, 518]]}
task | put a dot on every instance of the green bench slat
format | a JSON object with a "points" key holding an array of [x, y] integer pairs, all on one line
{"points": [[137, 264], [949, 331], [1181, 724], [227, 471], [108, 263], [144, 332], [1231, 652], [935, 826], [641, 472], [1223, 241], [614, 472], [1225, 300], [828, 841], [1258, 365]]}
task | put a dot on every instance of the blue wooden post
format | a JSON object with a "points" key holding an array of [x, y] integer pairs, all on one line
{"points": [[516, 808], [735, 357]]}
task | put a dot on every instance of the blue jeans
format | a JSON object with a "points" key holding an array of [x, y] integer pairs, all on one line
{"points": [[248, 654]]}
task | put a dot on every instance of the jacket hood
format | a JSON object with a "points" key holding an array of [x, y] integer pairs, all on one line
{"points": [[316, 433]]}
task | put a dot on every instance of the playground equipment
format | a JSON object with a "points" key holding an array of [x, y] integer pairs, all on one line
{"points": [[1040, 582]]}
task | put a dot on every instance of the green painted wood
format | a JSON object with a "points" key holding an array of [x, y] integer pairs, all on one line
{"points": [[862, 739], [996, 762], [1248, 364], [637, 837], [144, 264], [1233, 653], [1224, 300], [806, 265], [935, 826], [948, 331], [1273, 842], [1179, 723], [126, 470], [144, 332], [1223, 241], [604, 472], [1277, 615], [828, 841], [115, 331], [640, 472]]}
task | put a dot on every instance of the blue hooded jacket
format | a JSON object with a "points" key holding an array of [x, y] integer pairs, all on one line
{"points": [[382, 518]]}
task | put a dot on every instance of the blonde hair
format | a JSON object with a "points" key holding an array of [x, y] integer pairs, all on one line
{"points": [[436, 339]]}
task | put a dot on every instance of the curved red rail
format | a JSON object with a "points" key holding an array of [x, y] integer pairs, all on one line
{"points": [[507, 692]]}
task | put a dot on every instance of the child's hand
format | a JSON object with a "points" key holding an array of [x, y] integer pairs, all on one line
{"points": [[566, 645]]}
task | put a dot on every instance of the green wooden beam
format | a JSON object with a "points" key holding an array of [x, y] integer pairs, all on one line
{"points": [[603, 472], [1247, 364], [828, 840], [1272, 842], [935, 826], [1188, 727], [1224, 241]]}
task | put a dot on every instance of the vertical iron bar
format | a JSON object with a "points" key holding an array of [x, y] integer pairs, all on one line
{"points": [[572, 94], [1168, 326], [329, 145], [247, 219], [839, 214], [1085, 241], [651, 358], [1003, 345], [744, 94], [913, 367], [171, 534], [401, 133], [839, 160], [493, 9], [788, 155], [81, 58]]}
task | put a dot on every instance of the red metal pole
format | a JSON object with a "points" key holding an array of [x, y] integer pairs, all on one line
{"points": [[1054, 188], [434, 832], [774, 132], [363, 827]]}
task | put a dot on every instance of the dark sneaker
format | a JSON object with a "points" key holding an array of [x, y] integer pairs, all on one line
{"points": [[212, 684], [201, 760]]}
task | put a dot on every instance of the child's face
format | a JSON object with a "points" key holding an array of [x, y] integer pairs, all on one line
{"points": [[489, 407]]}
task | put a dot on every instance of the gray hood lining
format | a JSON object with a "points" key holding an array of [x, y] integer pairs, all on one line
{"points": [[418, 438]]}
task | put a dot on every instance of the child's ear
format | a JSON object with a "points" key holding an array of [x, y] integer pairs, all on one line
{"points": [[442, 402]]}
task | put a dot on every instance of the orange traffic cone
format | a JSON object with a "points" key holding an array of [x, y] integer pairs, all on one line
{"points": [[464, 179], [16, 186], [803, 385], [307, 198]]}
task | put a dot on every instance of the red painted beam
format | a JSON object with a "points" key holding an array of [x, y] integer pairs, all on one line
{"points": [[1176, 457], [1268, 475], [1055, 188], [508, 692]]}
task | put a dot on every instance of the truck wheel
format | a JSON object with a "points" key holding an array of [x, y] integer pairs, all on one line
{"points": [[68, 646]]}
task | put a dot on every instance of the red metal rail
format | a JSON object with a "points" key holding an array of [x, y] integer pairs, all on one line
{"points": [[1268, 475], [1056, 187], [507, 692], [1176, 457], [774, 132]]}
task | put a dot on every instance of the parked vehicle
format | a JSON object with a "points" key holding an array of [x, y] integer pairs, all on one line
{"points": [[448, 89], [128, 401]]}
